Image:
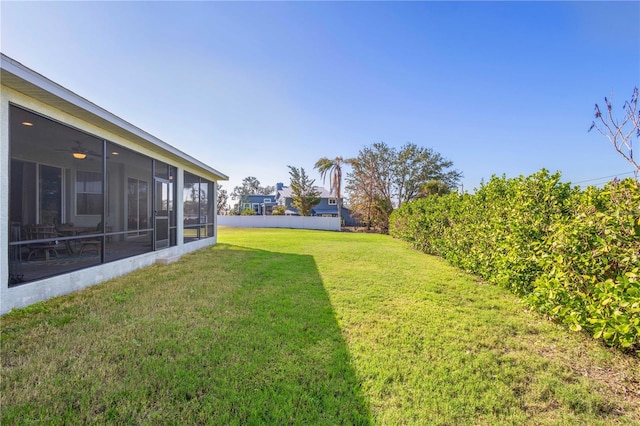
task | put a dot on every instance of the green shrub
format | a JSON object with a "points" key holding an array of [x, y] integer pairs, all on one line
{"points": [[590, 265], [278, 211], [572, 254]]}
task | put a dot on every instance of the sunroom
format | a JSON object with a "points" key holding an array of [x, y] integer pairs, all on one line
{"points": [[87, 196]]}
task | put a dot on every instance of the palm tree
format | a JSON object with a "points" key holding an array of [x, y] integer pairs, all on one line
{"points": [[334, 169]]}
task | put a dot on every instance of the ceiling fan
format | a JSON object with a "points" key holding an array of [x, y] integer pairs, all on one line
{"points": [[79, 151]]}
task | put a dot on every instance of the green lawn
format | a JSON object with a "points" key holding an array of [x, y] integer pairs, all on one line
{"points": [[305, 327]]}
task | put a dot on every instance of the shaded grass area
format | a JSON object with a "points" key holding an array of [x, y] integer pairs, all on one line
{"points": [[305, 327], [228, 335]]}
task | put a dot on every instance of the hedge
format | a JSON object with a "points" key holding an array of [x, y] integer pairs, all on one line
{"points": [[572, 254]]}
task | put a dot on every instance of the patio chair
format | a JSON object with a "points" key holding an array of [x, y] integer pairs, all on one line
{"points": [[95, 243], [41, 232]]}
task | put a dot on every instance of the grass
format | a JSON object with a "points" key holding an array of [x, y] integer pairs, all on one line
{"points": [[275, 326]]}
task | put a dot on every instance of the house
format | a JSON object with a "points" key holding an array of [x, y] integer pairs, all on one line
{"points": [[327, 207], [260, 204], [87, 196]]}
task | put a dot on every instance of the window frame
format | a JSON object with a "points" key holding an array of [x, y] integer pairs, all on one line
{"points": [[87, 193]]}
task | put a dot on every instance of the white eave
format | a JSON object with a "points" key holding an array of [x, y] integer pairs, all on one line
{"points": [[22, 79]]}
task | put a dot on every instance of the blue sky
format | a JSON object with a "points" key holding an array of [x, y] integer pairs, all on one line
{"points": [[251, 87]]}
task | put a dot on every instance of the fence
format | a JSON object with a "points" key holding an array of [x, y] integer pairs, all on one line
{"points": [[298, 222]]}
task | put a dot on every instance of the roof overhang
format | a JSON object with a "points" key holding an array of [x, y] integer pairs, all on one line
{"points": [[22, 79], [326, 211]]}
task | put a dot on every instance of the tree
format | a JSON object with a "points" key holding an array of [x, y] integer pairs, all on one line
{"points": [[250, 186], [434, 187], [370, 185], [620, 132], [416, 166], [304, 194], [334, 169], [384, 178], [223, 198]]}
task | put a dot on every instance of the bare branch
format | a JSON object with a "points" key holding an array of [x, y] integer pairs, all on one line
{"points": [[620, 132]]}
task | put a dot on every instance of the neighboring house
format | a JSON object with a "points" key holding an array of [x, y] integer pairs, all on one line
{"points": [[327, 207], [87, 196], [260, 204]]}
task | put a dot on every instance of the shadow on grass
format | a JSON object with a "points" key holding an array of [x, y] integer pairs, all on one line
{"points": [[228, 335], [289, 353]]}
